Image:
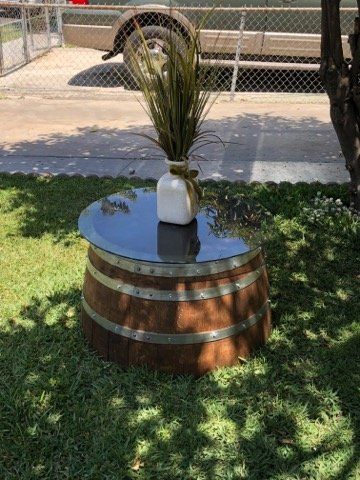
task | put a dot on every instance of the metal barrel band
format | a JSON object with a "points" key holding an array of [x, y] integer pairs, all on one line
{"points": [[173, 295], [179, 338], [176, 270]]}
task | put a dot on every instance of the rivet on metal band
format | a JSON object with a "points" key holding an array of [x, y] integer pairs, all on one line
{"points": [[176, 338], [173, 269], [174, 295]]}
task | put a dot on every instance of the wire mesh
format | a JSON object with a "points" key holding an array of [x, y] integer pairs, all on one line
{"points": [[60, 47], [25, 34]]}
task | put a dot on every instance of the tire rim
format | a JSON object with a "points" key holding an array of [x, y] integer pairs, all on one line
{"points": [[157, 49]]}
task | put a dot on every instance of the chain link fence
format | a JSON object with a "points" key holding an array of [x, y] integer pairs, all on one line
{"points": [[26, 34], [65, 48]]}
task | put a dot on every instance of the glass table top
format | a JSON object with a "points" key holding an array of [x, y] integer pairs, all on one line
{"points": [[126, 224]]}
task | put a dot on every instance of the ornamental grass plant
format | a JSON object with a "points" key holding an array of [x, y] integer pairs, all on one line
{"points": [[177, 92]]}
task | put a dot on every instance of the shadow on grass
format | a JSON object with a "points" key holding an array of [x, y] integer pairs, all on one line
{"points": [[53, 205], [67, 414], [291, 411]]}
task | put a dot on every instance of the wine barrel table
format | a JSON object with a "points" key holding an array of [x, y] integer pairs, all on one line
{"points": [[181, 299]]}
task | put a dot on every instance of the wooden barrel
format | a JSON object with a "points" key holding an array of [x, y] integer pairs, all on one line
{"points": [[177, 318]]}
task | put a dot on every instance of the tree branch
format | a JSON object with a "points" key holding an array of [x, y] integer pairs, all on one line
{"points": [[325, 40], [336, 50], [342, 86]]}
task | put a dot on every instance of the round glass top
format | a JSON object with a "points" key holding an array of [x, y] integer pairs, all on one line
{"points": [[126, 224]]}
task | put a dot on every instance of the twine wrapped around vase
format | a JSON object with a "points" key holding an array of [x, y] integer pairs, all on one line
{"points": [[189, 175]]}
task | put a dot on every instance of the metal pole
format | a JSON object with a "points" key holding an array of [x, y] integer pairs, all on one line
{"points": [[237, 55], [31, 33], [24, 35], [60, 26], [2, 68], [48, 30]]}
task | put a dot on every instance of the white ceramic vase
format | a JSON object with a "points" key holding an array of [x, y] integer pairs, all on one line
{"points": [[174, 204]]}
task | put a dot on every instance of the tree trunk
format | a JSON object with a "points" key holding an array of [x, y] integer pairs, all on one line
{"points": [[341, 82]]}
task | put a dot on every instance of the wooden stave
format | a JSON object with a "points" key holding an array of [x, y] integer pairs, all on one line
{"points": [[135, 311], [196, 358]]}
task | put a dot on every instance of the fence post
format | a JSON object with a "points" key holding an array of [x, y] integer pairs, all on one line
{"points": [[59, 26], [48, 29], [2, 68], [31, 33], [24, 35], [237, 55]]}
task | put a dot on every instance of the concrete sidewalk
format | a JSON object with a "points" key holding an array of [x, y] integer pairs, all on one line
{"points": [[279, 139]]}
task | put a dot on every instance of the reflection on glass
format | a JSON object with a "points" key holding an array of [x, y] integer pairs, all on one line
{"points": [[233, 216], [126, 224], [180, 242], [109, 208], [130, 194]]}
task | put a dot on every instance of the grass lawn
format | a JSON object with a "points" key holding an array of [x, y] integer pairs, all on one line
{"points": [[292, 411], [10, 32], [13, 30]]}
